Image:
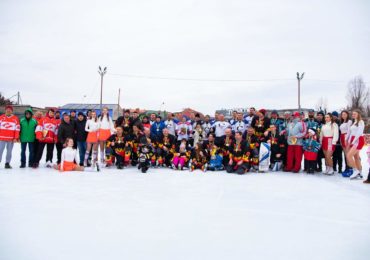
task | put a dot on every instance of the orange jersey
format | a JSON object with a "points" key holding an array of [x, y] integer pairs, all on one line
{"points": [[46, 130], [9, 128]]}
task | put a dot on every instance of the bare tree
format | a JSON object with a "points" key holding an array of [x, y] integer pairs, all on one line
{"points": [[4, 101], [358, 95]]}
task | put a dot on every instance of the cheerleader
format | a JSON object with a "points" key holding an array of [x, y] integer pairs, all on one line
{"points": [[328, 138], [344, 127], [355, 141], [68, 158], [92, 127], [106, 129]]}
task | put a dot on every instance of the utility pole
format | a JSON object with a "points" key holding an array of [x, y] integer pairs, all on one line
{"points": [[101, 73], [299, 78]]}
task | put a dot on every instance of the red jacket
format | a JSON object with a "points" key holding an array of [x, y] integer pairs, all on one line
{"points": [[9, 128], [46, 130]]}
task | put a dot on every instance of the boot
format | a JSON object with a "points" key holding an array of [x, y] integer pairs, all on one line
{"points": [[7, 166]]}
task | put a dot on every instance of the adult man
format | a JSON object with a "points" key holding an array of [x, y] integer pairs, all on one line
{"points": [[184, 130], [125, 122], [275, 119], [27, 137], [207, 126], [220, 126], [311, 122], [295, 132], [116, 145], [239, 156], [249, 117], [234, 118], [152, 118], [46, 132], [338, 152], [66, 130], [9, 134], [239, 125], [81, 136], [157, 127], [170, 124], [166, 146]]}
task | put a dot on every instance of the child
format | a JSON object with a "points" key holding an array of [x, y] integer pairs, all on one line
{"points": [[216, 159], [69, 156], [181, 156], [145, 152], [311, 148], [198, 159]]}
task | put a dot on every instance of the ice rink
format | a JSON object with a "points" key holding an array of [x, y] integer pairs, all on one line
{"points": [[165, 214]]}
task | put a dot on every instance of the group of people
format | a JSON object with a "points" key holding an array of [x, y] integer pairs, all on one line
{"points": [[190, 143]]}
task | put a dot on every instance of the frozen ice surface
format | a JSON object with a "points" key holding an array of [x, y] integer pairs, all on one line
{"points": [[165, 214]]}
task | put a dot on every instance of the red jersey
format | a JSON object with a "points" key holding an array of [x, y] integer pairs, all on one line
{"points": [[9, 128]]}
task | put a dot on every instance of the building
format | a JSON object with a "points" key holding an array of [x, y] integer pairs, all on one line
{"points": [[114, 110], [19, 110]]}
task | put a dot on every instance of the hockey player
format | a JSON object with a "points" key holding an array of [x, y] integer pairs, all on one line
{"points": [[46, 134], [144, 154], [275, 119], [239, 124], [170, 124], [166, 148], [253, 146], [227, 141], [115, 146], [219, 128], [207, 126], [157, 127], [277, 144], [125, 122], [198, 159], [9, 134], [311, 147], [239, 156], [184, 130], [260, 124]]}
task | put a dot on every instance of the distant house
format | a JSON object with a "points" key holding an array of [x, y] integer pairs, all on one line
{"points": [[113, 109], [19, 110]]}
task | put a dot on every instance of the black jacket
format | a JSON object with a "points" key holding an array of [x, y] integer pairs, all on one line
{"points": [[66, 131], [81, 134]]}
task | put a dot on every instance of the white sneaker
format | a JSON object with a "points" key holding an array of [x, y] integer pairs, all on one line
{"points": [[330, 171], [356, 173]]}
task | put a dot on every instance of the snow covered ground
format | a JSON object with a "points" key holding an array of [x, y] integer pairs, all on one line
{"points": [[180, 215]]}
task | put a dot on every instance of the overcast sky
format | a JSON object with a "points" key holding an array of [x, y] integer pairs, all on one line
{"points": [[50, 51]]}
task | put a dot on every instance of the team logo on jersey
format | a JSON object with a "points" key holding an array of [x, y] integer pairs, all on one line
{"points": [[7, 125]]}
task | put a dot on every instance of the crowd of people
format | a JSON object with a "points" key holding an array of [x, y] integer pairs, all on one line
{"points": [[90, 140]]}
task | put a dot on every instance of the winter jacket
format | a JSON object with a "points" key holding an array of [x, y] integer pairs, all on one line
{"points": [[66, 131], [81, 134], [157, 128], [296, 131], [9, 128], [28, 127]]}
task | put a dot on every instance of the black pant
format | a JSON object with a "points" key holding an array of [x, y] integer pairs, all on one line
{"points": [[239, 169], [49, 152], [320, 156], [311, 165], [59, 147], [338, 158]]}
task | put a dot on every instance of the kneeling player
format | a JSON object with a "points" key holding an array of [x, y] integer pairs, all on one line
{"points": [[239, 156], [198, 159]]}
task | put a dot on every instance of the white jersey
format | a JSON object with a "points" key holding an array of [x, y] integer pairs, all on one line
{"points": [[68, 155], [92, 126], [220, 127], [344, 127], [207, 127], [239, 126], [248, 121], [356, 131], [184, 131], [171, 126]]}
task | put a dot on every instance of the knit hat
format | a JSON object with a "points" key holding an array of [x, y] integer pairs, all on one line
{"points": [[320, 113], [311, 111], [80, 114], [263, 111], [9, 107], [335, 113], [274, 112], [312, 131], [296, 114]]}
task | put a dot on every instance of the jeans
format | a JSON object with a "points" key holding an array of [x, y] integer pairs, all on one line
{"points": [[31, 153], [9, 148], [82, 150]]}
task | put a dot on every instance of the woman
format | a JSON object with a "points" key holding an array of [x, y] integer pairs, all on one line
{"points": [[92, 127], [106, 129], [355, 141], [345, 124], [199, 134], [68, 158], [328, 138]]}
